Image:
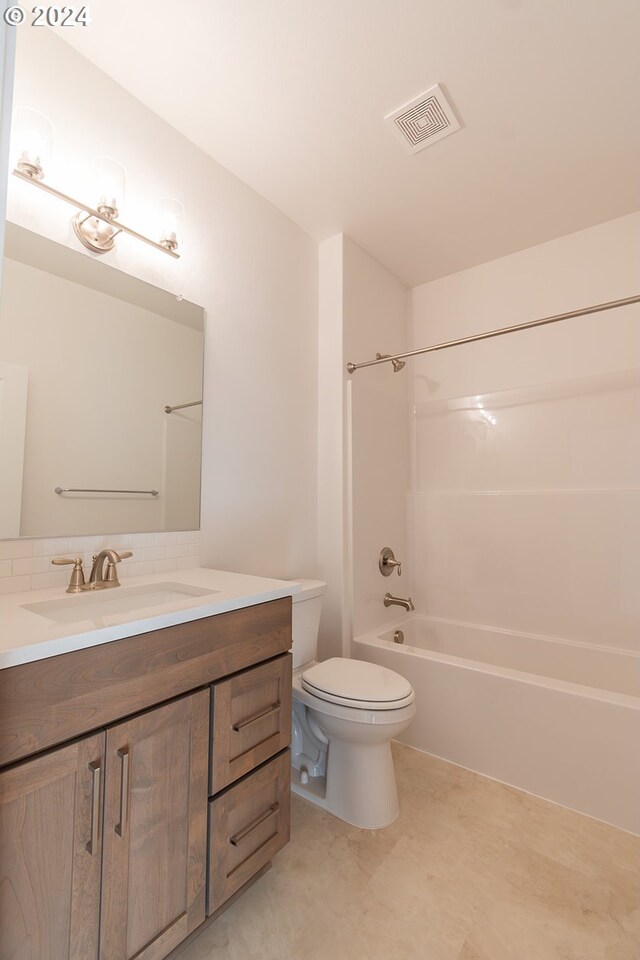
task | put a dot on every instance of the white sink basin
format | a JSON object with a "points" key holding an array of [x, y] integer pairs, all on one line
{"points": [[115, 601]]}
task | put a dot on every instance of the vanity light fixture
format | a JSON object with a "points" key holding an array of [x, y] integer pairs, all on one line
{"points": [[98, 233], [95, 227]]}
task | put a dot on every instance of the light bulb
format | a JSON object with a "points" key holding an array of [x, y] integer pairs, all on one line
{"points": [[110, 178], [33, 142], [171, 215]]}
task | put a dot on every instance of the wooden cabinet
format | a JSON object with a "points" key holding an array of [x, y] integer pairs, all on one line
{"points": [[248, 824], [104, 840], [50, 854], [251, 720], [150, 849], [155, 823], [45, 703]]}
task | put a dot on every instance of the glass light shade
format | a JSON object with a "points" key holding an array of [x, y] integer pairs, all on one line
{"points": [[110, 179], [171, 215], [33, 141]]}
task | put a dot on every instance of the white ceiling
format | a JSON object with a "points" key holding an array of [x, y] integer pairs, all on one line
{"points": [[291, 96]]}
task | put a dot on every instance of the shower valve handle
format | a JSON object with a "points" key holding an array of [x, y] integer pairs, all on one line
{"points": [[387, 562]]}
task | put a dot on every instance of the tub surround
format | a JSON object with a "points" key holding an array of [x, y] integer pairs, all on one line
{"points": [[28, 636], [525, 495]]}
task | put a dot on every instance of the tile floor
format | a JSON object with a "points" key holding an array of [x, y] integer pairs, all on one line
{"points": [[471, 870]]}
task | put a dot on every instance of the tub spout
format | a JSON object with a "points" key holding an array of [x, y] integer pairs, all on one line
{"points": [[390, 601]]}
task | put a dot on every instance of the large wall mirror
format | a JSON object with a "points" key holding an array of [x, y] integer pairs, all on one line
{"points": [[90, 360]]}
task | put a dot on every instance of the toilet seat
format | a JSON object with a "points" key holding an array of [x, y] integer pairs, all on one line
{"points": [[358, 685]]}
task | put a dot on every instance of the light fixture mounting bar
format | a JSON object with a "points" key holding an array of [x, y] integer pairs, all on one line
{"points": [[93, 213]]}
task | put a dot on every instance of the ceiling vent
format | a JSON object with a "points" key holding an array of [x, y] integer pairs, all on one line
{"points": [[425, 119]]}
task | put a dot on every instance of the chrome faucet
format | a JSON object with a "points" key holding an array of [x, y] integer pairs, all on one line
{"points": [[390, 601], [97, 578]]}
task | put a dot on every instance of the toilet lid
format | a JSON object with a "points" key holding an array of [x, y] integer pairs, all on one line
{"points": [[356, 683]]}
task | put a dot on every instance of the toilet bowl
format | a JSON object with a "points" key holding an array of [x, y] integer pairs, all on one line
{"points": [[345, 714]]}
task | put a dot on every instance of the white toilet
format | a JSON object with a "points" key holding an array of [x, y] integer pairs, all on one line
{"points": [[345, 714]]}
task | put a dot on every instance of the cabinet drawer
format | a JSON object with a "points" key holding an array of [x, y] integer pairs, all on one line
{"points": [[248, 824], [251, 720]]}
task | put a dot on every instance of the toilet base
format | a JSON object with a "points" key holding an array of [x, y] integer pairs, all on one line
{"points": [[360, 786]]}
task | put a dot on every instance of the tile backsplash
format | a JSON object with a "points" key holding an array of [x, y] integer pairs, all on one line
{"points": [[26, 564]]}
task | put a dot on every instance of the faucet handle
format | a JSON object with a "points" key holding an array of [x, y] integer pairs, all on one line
{"points": [[387, 562], [112, 575], [76, 583]]}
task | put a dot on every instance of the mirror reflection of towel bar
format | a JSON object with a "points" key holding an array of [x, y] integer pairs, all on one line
{"points": [[181, 406], [61, 490]]}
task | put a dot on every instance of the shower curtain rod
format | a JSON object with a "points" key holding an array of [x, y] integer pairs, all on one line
{"points": [[597, 308]]}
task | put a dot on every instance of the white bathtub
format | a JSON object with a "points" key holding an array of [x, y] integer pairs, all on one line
{"points": [[556, 718]]}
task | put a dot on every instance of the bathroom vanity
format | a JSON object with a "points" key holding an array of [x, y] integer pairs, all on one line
{"points": [[144, 765]]}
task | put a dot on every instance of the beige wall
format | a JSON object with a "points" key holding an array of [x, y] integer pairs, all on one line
{"points": [[251, 268], [333, 514], [525, 512], [363, 440], [375, 305]]}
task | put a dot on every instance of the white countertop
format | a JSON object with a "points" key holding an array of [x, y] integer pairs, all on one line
{"points": [[26, 636]]}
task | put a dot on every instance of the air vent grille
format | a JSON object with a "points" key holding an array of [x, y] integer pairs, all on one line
{"points": [[424, 120]]}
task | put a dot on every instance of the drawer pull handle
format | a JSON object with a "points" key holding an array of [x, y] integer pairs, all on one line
{"points": [[257, 716], [96, 773], [239, 837], [124, 793]]}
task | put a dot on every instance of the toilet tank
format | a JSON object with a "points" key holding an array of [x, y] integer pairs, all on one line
{"points": [[307, 605]]}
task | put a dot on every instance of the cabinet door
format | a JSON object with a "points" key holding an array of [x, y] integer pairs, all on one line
{"points": [[50, 854], [153, 881], [251, 720]]}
